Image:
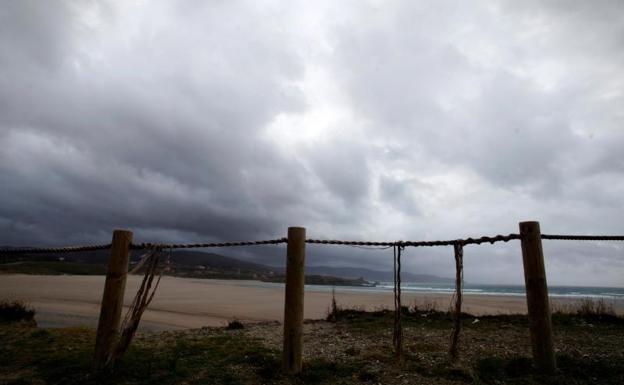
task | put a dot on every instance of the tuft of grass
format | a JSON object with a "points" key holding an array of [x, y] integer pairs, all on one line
{"points": [[587, 310], [490, 368], [520, 370], [334, 310], [40, 333], [494, 368], [229, 358], [589, 307], [583, 368], [15, 310], [425, 305], [234, 325], [322, 371]]}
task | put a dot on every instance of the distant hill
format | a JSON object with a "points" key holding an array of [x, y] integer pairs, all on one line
{"points": [[187, 263], [199, 258], [374, 275]]}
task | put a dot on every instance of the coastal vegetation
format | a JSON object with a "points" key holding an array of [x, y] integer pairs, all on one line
{"points": [[354, 348], [15, 310]]}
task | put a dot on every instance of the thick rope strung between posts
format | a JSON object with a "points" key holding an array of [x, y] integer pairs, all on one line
{"points": [[384, 244], [457, 298], [465, 241], [141, 246], [141, 300], [397, 337], [371, 247], [584, 237], [56, 250]]}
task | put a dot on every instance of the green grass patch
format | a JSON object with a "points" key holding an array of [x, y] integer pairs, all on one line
{"points": [[322, 371], [577, 370]]}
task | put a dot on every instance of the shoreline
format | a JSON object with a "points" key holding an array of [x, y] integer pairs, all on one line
{"points": [[189, 303]]}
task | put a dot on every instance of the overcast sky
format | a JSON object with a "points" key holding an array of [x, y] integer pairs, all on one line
{"points": [[224, 120]]}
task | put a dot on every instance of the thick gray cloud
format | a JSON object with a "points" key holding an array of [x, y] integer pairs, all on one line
{"points": [[189, 121]]}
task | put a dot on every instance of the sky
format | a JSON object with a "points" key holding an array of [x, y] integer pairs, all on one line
{"points": [[195, 121]]}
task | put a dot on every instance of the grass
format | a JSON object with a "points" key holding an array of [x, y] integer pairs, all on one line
{"points": [[211, 356], [427, 312], [587, 310], [355, 348], [495, 350], [63, 356], [234, 325]]}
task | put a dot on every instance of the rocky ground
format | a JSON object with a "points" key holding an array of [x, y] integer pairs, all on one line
{"points": [[354, 349]]}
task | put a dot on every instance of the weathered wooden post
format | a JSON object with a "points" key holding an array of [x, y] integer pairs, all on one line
{"points": [[293, 304], [112, 299], [537, 297]]}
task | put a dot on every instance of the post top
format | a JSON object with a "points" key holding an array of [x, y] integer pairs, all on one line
{"points": [[122, 231], [529, 227], [299, 232]]}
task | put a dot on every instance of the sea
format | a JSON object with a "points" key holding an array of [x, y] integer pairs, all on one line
{"points": [[607, 293], [578, 292], [515, 290]]}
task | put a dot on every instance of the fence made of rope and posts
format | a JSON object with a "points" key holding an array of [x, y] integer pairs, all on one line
{"points": [[114, 335]]}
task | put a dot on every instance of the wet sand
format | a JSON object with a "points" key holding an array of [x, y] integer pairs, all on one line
{"points": [[192, 303]]}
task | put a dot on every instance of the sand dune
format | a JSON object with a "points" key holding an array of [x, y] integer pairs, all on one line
{"points": [[192, 303]]}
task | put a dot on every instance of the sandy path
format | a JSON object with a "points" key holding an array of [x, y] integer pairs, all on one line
{"points": [[193, 303]]}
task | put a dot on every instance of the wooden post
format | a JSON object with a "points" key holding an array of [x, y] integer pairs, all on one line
{"points": [[293, 306], [112, 299], [537, 297]]}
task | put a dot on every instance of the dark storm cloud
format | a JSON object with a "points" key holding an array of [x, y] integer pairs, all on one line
{"points": [[125, 140], [210, 121]]}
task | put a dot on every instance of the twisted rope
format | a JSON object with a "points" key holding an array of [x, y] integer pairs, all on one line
{"points": [[457, 298], [464, 241], [142, 246], [584, 237], [141, 300], [362, 244], [47, 250], [397, 337]]}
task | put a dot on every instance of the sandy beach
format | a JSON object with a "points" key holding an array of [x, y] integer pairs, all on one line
{"points": [[192, 303]]}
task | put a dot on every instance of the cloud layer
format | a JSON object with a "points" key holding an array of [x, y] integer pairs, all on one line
{"points": [[191, 121]]}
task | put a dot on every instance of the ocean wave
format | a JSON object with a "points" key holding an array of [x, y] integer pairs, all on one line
{"points": [[513, 291]]}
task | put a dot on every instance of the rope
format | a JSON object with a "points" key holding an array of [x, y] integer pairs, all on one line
{"points": [[141, 246], [361, 244], [371, 247], [465, 241], [397, 337], [46, 250], [141, 301], [457, 298], [142, 260], [584, 237]]}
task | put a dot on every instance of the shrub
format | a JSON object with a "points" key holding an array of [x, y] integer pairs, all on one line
{"points": [[334, 310], [424, 305], [589, 307], [15, 310], [234, 325]]}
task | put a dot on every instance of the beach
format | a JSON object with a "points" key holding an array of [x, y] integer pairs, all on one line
{"points": [[183, 303]]}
